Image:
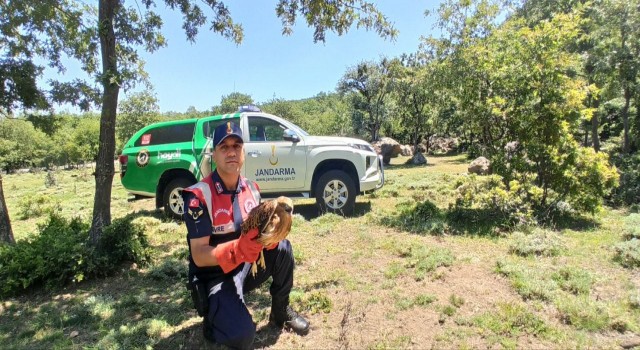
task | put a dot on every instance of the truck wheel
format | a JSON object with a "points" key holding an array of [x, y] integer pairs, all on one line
{"points": [[336, 193], [172, 198]]}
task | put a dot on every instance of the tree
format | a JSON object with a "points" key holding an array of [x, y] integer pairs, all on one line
{"points": [[416, 90], [372, 81], [137, 111], [620, 38], [52, 28], [6, 233], [231, 102]]}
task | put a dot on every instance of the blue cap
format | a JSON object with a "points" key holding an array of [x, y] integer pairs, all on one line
{"points": [[225, 130]]}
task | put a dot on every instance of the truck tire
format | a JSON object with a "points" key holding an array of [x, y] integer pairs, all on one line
{"points": [[336, 193], [172, 197]]}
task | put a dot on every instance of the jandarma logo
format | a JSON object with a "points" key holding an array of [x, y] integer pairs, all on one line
{"points": [[273, 160], [142, 159]]}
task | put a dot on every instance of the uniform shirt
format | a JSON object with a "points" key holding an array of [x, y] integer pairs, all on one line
{"points": [[228, 209]]}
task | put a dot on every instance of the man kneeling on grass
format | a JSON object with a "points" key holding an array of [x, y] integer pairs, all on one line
{"points": [[220, 258]]}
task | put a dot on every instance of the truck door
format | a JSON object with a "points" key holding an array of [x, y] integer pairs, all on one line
{"points": [[275, 164]]}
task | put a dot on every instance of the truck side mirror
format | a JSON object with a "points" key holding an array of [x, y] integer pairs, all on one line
{"points": [[290, 135]]}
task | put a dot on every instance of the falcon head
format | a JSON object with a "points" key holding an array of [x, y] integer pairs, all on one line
{"points": [[272, 218]]}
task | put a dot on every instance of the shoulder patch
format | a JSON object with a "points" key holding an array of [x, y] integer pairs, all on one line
{"points": [[194, 203]]}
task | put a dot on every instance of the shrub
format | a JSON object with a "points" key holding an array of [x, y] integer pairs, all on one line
{"points": [[583, 313], [37, 205], [632, 226], [421, 217], [60, 253], [629, 190], [628, 253], [57, 255], [505, 206], [573, 280], [540, 242], [121, 241]]}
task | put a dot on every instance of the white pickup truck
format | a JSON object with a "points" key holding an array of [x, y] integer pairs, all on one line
{"points": [[163, 158]]}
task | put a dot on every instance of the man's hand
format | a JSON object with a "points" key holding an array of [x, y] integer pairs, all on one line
{"points": [[233, 253]]}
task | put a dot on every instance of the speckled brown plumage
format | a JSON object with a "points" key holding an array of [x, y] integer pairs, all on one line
{"points": [[273, 220]]}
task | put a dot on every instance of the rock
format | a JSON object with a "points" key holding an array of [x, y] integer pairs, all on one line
{"points": [[418, 159], [74, 334], [439, 144], [630, 343], [388, 148], [479, 166], [422, 148], [405, 151]]}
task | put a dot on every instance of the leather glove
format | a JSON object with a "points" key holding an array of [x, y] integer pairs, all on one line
{"points": [[233, 253]]}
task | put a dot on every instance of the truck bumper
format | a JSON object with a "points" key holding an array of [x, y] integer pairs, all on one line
{"points": [[374, 177]]}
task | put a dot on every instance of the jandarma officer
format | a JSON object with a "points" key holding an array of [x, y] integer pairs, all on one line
{"points": [[220, 258]]}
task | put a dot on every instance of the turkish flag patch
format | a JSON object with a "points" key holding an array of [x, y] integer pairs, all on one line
{"points": [[194, 203]]}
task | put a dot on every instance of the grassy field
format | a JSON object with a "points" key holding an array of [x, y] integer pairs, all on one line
{"points": [[375, 280]]}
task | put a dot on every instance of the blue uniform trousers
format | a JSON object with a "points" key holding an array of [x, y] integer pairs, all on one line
{"points": [[229, 322]]}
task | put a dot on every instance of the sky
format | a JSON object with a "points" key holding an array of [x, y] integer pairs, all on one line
{"points": [[267, 64]]}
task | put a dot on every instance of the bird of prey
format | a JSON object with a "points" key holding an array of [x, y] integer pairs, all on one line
{"points": [[273, 220]]}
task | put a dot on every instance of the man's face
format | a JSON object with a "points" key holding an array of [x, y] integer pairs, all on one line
{"points": [[229, 156]]}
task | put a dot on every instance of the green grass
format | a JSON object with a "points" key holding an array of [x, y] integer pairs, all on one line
{"points": [[397, 274]]}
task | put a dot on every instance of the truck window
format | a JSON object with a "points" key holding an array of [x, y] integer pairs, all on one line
{"points": [[264, 129], [208, 127], [166, 134]]}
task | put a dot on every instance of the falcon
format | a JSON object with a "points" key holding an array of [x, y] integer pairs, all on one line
{"points": [[273, 220]]}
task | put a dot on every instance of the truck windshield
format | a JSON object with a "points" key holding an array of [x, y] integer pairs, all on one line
{"points": [[299, 130]]}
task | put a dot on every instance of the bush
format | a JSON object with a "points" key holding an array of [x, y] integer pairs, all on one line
{"points": [[632, 226], [628, 253], [121, 241], [57, 255], [422, 217], [629, 190], [489, 195], [540, 242], [37, 205], [61, 253]]}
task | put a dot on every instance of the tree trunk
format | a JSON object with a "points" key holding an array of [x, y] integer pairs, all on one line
{"points": [[6, 234], [595, 124], [104, 164], [625, 119]]}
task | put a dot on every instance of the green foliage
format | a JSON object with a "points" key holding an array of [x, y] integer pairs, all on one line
{"points": [[371, 82], [60, 253], [628, 253], [122, 241], [138, 110], [21, 145], [573, 280], [170, 270], [56, 256], [632, 226], [230, 103], [37, 205], [505, 206], [629, 190], [313, 302], [540, 242], [422, 217], [527, 282], [512, 320], [584, 313]]}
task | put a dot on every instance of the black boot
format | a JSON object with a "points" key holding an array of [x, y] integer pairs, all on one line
{"points": [[207, 332], [289, 319]]}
